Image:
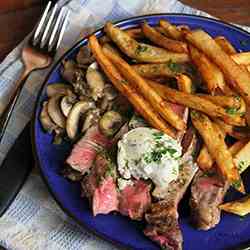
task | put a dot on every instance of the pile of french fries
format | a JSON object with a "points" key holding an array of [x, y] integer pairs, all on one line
{"points": [[143, 63]]}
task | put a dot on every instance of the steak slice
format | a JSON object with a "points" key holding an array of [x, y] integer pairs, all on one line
{"points": [[135, 199], [162, 217], [100, 185], [85, 150], [207, 193]]}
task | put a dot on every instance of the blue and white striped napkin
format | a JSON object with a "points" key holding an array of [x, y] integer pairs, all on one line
{"points": [[34, 221]]}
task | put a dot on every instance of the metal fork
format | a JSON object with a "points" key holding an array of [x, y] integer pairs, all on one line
{"points": [[38, 53]]}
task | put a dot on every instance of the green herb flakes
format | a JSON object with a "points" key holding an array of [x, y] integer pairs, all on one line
{"points": [[174, 67], [236, 184], [140, 49], [231, 110]]}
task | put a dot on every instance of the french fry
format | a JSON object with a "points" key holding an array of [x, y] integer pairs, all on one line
{"points": [[217, 149], [236, 147], [224, 101], [140, 51], [154, 70], [157, 38], [184, 83], [134, 33], [236, 76], [160, 105], [242, 58], [170, 30], [111, 48], [197, 103], [139, 103], [240, 207], [212, 75], [205, 161], [242, 158], [239, 134], [225, 45]]}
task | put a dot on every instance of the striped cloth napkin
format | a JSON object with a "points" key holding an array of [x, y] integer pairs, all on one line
{"points": [[34, 221]]}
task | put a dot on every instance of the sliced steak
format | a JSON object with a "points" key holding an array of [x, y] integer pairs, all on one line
{"points": [[162, 217], [100, 185], [207, 193], [85, 150], [135, 199]]}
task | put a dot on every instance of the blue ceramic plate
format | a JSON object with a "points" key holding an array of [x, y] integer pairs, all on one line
{"points": [[230, 232]]}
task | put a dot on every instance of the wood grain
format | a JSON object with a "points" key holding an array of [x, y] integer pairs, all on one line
{"points": [[18, 17]]}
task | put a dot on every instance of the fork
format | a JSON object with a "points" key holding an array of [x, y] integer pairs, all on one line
{"points": [[38, 53]]}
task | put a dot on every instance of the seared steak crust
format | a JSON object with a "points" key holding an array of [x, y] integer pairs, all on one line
{"points": [[162, 217]]}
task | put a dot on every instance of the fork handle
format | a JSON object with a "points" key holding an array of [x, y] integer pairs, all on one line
{"points": [[5, 117]]}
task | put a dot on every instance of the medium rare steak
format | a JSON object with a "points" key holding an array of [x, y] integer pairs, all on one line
{"points": [[85, 150], [99, 186], [207, 193], [135, 199], [162, 216]]}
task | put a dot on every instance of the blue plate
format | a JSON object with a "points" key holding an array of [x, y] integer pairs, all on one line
{"points": [[230, 232]]}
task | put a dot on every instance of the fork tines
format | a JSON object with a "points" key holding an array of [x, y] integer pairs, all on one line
{"points": [[49, 32]]}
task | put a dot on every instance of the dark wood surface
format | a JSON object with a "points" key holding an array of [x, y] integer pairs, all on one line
{"points": [[17, 17]]}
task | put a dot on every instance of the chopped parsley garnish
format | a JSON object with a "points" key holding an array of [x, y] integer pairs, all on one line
{"points": [[137, 161], [241, 166], [181, 167], [236, 184], [231, 110], [237, 97], [174, 171], [157, 154], [158, 135], [123, 81], [140, 48], [174, 67]]}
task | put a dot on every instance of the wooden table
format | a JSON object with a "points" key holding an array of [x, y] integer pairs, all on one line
{"points": [[17, 17]]}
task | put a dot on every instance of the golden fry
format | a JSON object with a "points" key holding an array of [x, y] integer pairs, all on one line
{"points": [[242, 58], [211, 74], [139, 103], [160, 105], [225, 45], [235, 75], [157, 38], [140, 51], [217, 149], [198, 103], [240, 207], [242, 158], [224, 101], [184, 83], [204, 160], [239, 134], [170, 30], [153, 70]]}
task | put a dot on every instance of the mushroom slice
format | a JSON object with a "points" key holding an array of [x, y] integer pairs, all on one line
{"points": [[84, 56], [95, 82], [91, 118], [68, 70], [55, 112], [47, 124], [67, 103], [110, 123], [74, 116], [58, 88], [110, 92]]}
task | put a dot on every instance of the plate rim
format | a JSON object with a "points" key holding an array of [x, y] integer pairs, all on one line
{"points": [[65, 54]]}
